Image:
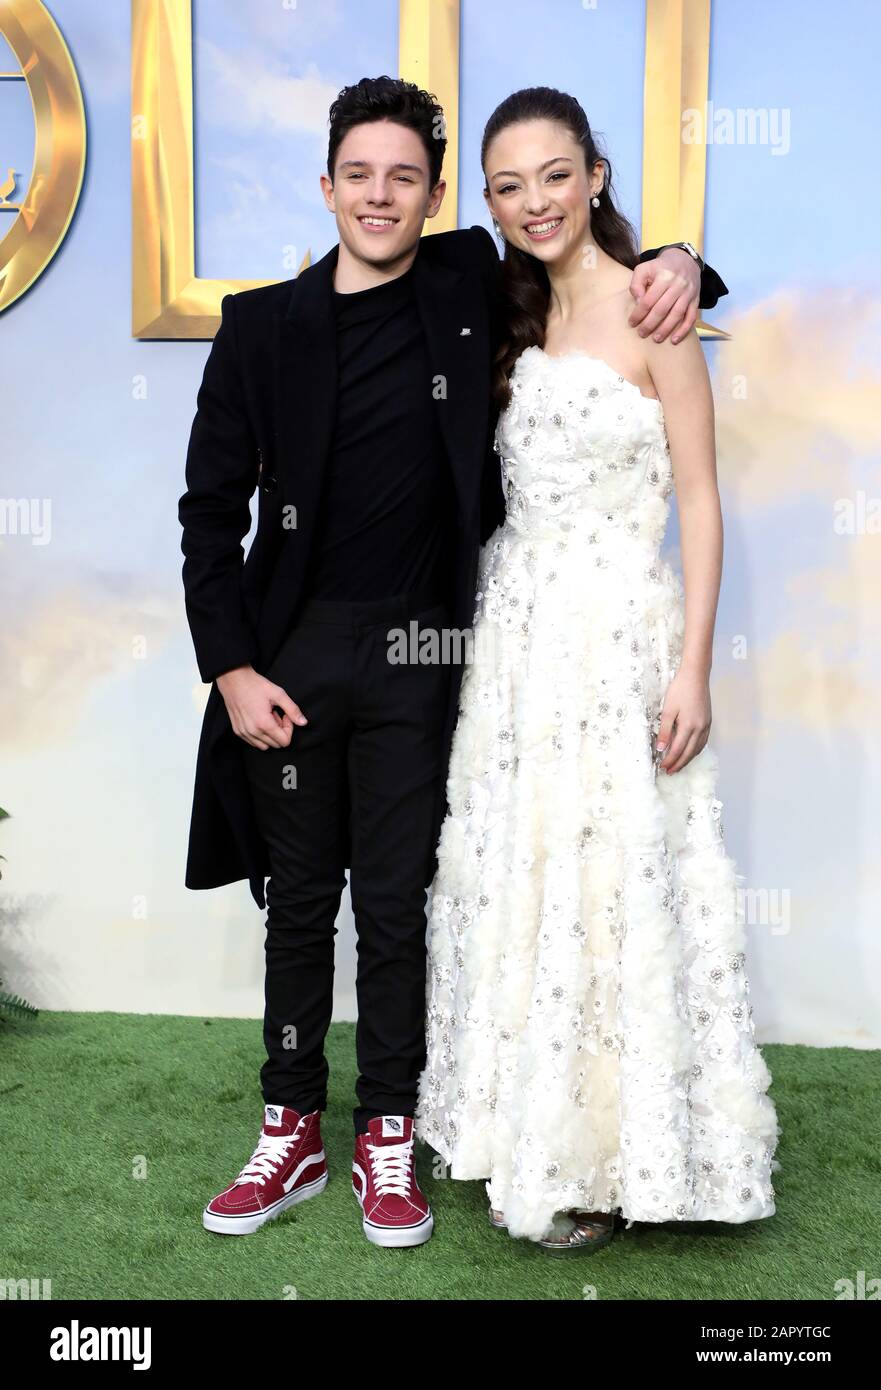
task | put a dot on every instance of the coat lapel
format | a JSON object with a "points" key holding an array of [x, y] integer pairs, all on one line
{"points": [[306, 387], [456, 334]]}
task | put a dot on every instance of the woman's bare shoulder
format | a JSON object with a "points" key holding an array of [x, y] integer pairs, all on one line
{"points": [[619, 308]]}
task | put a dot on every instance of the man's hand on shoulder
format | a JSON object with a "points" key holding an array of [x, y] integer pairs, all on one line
{"points": [[667, 293]]}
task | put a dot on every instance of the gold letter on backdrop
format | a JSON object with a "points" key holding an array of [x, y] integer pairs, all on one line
{"points": [[40, 220], [168, 299]]}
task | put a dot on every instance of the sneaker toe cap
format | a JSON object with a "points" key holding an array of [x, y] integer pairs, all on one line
{"points": [[236, 1201]]}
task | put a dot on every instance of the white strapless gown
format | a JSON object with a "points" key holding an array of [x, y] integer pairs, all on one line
{"points": [[589, 1031]]}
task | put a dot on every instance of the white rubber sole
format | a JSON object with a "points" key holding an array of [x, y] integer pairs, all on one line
{"points": [[396, 1237], [246, 1225]]}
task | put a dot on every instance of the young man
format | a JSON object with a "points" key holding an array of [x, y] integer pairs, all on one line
{"points": [[356, 400]]}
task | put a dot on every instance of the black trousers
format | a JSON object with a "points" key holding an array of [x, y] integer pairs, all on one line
{"points": [[365, 772]]}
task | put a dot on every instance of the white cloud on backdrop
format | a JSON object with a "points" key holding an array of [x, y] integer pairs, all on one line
{"points": [[250, 90], [811, 369]]}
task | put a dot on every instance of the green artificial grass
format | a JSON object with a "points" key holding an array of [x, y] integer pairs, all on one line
{"points": [[87, 1101]]}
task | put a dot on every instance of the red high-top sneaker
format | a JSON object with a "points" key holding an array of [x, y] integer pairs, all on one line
{"points": [[384, 1180], [287, 1166]]}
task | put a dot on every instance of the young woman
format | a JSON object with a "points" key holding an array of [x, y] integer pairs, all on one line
{"points": [[591, 1049]]}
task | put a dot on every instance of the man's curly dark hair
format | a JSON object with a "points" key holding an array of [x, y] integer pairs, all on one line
{"points": [[389, 99]]}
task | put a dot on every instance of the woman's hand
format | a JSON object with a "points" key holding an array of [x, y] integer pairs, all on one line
{"points": [[687, 705]]}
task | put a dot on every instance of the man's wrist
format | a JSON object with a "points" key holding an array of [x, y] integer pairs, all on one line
{"points": [[712, 284], [685, 246], [233, 671], [689, 250]]}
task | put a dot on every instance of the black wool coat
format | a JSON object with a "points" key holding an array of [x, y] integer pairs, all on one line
{"points": [[264, 421]]}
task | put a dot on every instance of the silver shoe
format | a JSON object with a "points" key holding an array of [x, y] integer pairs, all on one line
{"points": [[585, 1235]]}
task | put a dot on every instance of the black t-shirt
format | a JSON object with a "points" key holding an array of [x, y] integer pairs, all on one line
{"points": [[385, 522]]}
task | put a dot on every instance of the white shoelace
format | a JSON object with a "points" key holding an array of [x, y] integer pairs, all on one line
{"points": [[269, 1153], [391, 1167]]}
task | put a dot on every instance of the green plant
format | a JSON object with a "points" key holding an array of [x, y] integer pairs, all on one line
{"points": [[12, 1004]]}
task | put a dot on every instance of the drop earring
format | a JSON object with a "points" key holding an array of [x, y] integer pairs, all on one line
{"points": [[595, 202]]}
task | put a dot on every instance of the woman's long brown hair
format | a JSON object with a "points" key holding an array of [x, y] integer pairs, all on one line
{"points": [[525, 284]]}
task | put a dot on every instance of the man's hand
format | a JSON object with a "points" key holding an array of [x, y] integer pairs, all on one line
{"points": [[249, 699], [667, 293]]}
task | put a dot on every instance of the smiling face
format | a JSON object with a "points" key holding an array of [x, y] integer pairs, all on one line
{"points": [[539, 189], [380, 193]]}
